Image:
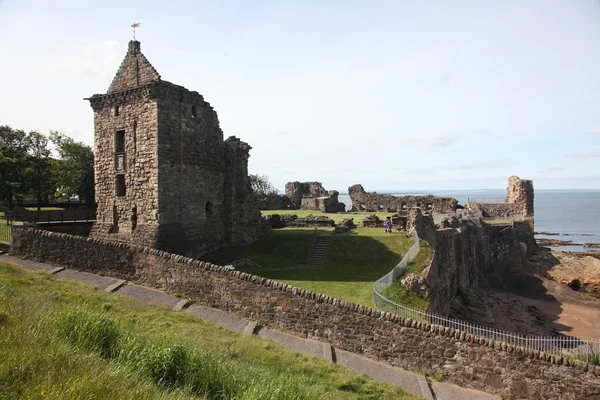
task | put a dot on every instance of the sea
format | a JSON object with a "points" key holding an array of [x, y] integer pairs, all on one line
{"points": [[559, 214]]}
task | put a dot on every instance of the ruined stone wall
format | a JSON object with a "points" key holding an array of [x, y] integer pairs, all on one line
{"points": [[191, 173], [243, 225], [74, 228], [518, 204], [313, 196], [466, 251], [497, 210], [520, 193], [372, 201], [458, 357]]}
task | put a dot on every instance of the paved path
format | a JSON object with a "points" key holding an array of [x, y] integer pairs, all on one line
{"points": [[412, 383]]}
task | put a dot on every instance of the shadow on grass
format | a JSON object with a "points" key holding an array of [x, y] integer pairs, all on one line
{"points": [[354, 261]]}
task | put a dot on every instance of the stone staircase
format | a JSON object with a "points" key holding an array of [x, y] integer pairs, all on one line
{"points": [[319, 251]]}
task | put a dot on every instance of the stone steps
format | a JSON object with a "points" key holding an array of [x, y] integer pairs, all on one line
{"points": [[319, 251]]}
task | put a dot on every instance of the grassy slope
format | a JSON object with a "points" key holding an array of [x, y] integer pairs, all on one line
{"points": [[279, 248], [398, 293], [355, 260], [61, 340]]}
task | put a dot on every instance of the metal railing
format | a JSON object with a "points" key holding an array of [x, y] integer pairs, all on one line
{"points": [[5, 232], [587, 350], [50, 216]]}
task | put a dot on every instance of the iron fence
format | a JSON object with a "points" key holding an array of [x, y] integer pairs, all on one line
{"points": [[5, 232], [587, 350], [50, 216]]}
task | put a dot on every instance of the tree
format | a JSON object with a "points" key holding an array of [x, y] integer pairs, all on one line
{"points": [[13, 158], [75, 175], [39, 170], [261, 186]]}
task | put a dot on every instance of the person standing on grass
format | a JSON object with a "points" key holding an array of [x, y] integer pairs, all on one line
{"points": [[388, 225]]}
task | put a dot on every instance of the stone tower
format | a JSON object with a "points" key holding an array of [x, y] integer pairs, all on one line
{"points": [[520, 193], [164, 176]]}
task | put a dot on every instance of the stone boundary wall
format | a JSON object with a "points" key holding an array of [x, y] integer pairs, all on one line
{"points": [[461, 358]]}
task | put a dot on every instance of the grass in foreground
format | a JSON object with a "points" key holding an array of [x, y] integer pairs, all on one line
{"points": [[63, 340], [354, 261]]}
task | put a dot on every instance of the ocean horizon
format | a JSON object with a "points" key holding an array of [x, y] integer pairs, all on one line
{"points": [[562, 214]]}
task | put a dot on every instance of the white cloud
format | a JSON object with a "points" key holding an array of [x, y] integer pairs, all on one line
{"points": [[594, 131], [586, 154]]}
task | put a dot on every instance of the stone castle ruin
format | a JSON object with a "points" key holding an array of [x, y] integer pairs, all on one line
{"points": [[372, 201], [164, 176], [518, 203], [470, 254], [313, 196]]}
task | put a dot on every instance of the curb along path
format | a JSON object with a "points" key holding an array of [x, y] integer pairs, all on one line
{"points": [[411, 382]]}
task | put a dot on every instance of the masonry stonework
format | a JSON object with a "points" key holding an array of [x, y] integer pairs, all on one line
{"points": [[460, 358], [372, 201], [164, 176], [313, 196], [518, 203]]}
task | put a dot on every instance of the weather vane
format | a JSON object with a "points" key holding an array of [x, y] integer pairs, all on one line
{"points": [[135, 25]]}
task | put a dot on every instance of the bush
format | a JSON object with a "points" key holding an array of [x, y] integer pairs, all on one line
{"points": [[90, 330]]}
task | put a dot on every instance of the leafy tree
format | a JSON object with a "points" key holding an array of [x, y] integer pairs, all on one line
{"points": [[40, 169], [261, 186], [13, 158], [75, 174]]}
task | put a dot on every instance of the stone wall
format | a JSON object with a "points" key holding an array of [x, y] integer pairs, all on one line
{"points": [[313, 196], [72, 228], [277, 221], [458, 357], [518, 204], [466, 251], [164, 176], [372, 201]]}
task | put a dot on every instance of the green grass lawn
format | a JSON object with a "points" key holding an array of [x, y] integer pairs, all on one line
{"points": [[64, 340], [355, 260], [278, 248], [44, 209], [400, 294], [357, 215]]}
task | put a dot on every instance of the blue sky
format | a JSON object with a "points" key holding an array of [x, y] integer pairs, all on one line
{"points": [[394, 95]]}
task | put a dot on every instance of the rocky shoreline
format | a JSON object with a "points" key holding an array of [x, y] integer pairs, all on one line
{"points": [[549, 242]]}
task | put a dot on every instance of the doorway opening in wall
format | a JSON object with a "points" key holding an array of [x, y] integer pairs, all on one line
{"points": [[133, 218], [115, 218], [209, 209]]}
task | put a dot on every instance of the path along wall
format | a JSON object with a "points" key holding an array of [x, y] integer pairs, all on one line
{"points": [[461, 358]]}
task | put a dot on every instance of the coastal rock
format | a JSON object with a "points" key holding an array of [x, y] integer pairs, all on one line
{"points": [[574, 266], [592, 245]]}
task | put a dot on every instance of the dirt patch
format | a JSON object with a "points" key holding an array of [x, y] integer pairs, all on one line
{"points": [[539, 296]]}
